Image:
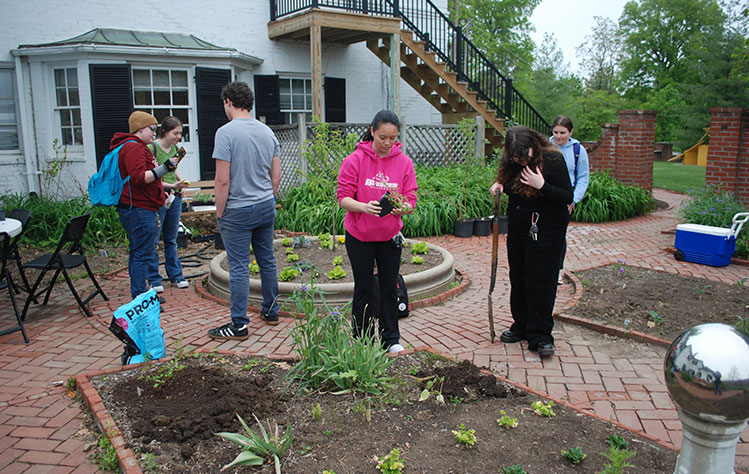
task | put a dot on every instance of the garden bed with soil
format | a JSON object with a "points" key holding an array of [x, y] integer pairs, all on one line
{"points": [[172, 426], [659, 304]]}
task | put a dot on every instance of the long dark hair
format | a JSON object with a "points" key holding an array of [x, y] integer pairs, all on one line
{"points": [[518, 140], [383, 116], [562, 121], [169, 123]]}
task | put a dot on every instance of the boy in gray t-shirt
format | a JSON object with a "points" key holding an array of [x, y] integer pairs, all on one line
{"points": [[248, 174]]}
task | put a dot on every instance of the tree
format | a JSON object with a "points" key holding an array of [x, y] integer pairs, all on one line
{"points": [[499, 29], [600, 55], [661, 38]]}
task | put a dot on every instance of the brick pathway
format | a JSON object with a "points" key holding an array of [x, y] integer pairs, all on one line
{"points": [[624, 382]]}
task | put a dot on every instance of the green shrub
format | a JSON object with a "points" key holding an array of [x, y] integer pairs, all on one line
{"points": [[609, 200], [48, 219], [710, 206]]}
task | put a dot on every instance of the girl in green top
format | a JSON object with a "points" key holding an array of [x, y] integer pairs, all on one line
{"points": [[163, 148]]}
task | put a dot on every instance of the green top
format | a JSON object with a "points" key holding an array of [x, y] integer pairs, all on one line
{"points": [[161, 156]]}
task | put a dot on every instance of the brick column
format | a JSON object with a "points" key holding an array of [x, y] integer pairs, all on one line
{"points": [[603, 156], [634, 148], [728, 156]]}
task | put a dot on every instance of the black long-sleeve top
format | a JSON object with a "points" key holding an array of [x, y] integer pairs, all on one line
{"points": [[550, 203]]}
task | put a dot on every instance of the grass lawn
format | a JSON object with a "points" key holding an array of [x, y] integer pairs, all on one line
{"points": [[677, 177]]}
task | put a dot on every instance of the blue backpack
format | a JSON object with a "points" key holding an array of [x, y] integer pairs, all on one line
{"points": [[105, 187]]}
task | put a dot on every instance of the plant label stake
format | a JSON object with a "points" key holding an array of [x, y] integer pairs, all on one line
{"points": [[495, 248]]}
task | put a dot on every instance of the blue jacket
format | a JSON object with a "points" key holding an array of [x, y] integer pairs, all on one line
{"points": [[578, 177]]}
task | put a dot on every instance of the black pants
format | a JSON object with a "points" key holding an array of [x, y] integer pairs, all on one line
{"points": [[534, 267], [363, 256]]}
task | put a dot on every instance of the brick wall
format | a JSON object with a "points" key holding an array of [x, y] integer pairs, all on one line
{"points": [[728, 152]]}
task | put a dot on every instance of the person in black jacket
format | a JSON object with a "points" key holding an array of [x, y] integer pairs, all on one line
{"points": [[534, 175]]}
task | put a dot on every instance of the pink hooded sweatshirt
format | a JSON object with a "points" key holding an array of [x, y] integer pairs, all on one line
{"points": [[364, 176]]}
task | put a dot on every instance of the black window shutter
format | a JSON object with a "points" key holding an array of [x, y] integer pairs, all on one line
{"points": [[112, 103], [211, 115], [268, 99], [335, 99]]}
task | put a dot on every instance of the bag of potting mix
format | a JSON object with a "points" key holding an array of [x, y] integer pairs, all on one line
{"points": [[138, 325]]}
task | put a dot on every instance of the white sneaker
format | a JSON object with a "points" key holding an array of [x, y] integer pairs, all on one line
{"points": [[181, 284], [395, 348], [158, 288], [560, 281]]}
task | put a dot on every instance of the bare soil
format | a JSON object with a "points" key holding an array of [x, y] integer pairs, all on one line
{"points": [[657, 303], [174, 424]]}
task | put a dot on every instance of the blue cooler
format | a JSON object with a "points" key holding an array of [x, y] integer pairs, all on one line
{"points": [[706, 244]]}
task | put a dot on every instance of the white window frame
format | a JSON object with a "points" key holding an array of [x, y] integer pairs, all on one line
{"points": [[157, 110], [286, 86], [8, 67], [58, 109]]}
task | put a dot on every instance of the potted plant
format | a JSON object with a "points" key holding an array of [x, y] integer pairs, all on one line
{"points": [[203, 199], [467, 133]]}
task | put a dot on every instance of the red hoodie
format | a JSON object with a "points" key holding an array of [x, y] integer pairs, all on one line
{"points": [[364, 176], [135, 159]]}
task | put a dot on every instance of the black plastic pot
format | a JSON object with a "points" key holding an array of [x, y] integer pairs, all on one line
{"points": [[482, 226], [503, 224], [463, 228]]}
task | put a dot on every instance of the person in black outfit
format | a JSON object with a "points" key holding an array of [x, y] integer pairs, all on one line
{"points": [[534, 175]]}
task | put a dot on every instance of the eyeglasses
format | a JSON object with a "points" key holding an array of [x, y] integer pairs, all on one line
{"points": [[152, 128]]}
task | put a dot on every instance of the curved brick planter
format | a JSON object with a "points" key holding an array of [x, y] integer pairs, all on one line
{"points": [[420, 285]]}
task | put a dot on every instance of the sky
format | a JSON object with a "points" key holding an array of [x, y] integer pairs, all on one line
{"points": [[571, 21]]}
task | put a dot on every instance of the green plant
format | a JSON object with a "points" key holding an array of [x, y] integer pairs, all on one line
{"points": [[328, 359], [617, 441], [506, 421], [465, 436], [292, 257], [390, 463], [621, 267], [326, 471], [701, 291], [106, 457], [420, 248], [251, 364], [742, 324], [543, 409], [168, 369], [606, 199], [574, 455], [286, 242], [467, 130], [70, 384], [254, 268], [398, 201], [288, 250], [514, 469], [336, 273], [338, 260], [741, 282], [417, 260], [202, 198], [316, 412], [328, 433], [618, 460], [258, 448], [455, 400], [288, 274], [429, 390], [655, 319]]}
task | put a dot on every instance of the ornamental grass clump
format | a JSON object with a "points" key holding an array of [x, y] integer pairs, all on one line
{"points": [[607, 199], [257, 448], [329, 359]]}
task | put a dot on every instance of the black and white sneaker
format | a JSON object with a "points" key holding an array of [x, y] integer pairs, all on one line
{"points": [[229, 332]]}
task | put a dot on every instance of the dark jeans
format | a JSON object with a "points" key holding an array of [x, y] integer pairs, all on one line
{"points": [[363, 256], [534, 267], [240, 228], [142, 227], [169, 219]]}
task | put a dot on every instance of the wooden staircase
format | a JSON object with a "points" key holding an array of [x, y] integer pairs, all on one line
{"points": [[431, 79]]}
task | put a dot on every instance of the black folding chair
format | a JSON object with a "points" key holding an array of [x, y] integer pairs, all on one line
{"points": [[6, 281], [62, 262], [23, 216]]}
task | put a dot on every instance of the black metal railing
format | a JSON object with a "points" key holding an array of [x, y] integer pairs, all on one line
{"points": [[448, 43]]}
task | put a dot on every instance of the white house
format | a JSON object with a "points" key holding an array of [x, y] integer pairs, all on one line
{"points": [[73, 72]]}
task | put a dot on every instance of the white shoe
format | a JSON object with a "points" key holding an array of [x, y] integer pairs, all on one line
{"points": [[181, 284], [560, 281], [395, 348], [158, 288]]}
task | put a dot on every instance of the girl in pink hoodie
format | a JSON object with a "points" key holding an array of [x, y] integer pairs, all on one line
{"points": [[377, 165]]}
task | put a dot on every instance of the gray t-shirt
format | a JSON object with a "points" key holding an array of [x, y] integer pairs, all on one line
{"points": [[249, 146]]}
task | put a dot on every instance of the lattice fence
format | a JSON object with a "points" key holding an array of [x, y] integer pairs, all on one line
{"points": [[431, 145]]}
